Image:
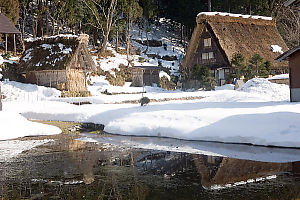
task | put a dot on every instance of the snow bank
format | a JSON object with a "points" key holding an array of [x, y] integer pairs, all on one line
{"points": [[1, 60], [234, 15], [276, 48], [263, 87], [15, 91], [14, 125], [280, 76]]}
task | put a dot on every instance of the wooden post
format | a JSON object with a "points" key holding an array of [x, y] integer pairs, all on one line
{"points": [[0, 99], [5, 43], [15, 47]]}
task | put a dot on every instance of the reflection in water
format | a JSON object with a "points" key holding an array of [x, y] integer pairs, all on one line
{"points": [[71, 169]]}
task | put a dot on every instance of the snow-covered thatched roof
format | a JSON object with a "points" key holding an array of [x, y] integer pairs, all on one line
{"points": [[57, 53], [235, 33]]}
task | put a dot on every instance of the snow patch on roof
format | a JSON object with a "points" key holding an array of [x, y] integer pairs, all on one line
{"points": [[164, 74], [31, 39], [275, 48], [234, 15]]}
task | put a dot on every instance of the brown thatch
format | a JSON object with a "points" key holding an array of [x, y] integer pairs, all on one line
{"points": [[6, 26], [57, 53], [60, 61], [238, 35]]}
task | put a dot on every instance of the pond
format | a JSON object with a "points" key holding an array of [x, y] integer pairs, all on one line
{"points": [[119, 167]]}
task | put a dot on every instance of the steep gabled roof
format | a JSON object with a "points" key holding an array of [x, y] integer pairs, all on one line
{"points": [[6, 26], [286, 55], [239, 33], [57, 53]]}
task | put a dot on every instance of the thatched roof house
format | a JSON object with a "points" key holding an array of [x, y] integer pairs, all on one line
{"points": [[218, 36], [58, 61]]}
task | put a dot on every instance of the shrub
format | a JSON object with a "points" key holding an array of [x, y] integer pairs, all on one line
{"points": [[202, 74], [166, 84], [75, 94]]}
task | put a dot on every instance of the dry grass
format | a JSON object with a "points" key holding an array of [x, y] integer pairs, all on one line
{"points": [[64, 126]]}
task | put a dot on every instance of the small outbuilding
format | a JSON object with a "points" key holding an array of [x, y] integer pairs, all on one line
{"points": [[293, 56], [61, 62], [145, 75]]}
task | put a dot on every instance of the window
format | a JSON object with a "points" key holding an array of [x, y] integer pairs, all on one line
{"points": [[207, 42], [205, 56], [208, 56]]}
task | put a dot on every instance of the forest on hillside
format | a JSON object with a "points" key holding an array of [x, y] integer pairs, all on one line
{"points": [[112, 20]]}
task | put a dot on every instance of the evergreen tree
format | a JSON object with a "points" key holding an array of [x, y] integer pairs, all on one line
{"points": [[11, 9], [238, 64], [202, 74]]}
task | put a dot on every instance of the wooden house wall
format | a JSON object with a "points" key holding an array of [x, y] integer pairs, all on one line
{"points": [[76, 80], [48, 78], [294, 65], [151, 76], [137, 77], [217, 62]]}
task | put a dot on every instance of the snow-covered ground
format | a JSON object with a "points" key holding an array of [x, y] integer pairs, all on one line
{"points": [[13, 125], [259, 113]]}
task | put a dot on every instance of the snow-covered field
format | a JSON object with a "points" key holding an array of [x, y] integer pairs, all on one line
{"points": [[259, 113]]}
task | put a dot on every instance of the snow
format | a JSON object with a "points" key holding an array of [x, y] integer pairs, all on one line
{"points": [[276, 48], [234, 15], [280, 76], [267, 89], [238, 151], [15, 91], [13, 125], [12, 148], [1, 60], [164, 74], [31, 39]]}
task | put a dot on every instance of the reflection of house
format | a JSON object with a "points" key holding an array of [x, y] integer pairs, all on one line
{"points": [[8, 28], [145, 75], [61, 62], [293, 56], [218, 36]]}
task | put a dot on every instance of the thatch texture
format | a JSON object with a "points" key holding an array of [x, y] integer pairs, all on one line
{"points": [[238, 34], [60, 62], [57, 53]]}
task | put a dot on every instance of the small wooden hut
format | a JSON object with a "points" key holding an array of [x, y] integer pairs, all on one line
{"points": [[145, 75], [61, 62], [293, 56], [218, 36], [8, 28]]}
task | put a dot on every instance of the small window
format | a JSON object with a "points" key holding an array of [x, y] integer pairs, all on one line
{"points": [[207, 42], [211, 55], [205, 56]]}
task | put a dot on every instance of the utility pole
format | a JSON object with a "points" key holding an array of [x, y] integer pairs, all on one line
{"points": [[209, 5]]}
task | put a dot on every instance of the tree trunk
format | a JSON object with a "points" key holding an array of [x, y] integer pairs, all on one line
{"points": [[117, 41], [33, 23], [109, 20], [40, 24], [47, 18]]}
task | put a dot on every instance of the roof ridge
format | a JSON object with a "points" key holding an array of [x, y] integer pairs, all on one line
{"points": [[224, 14]]}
